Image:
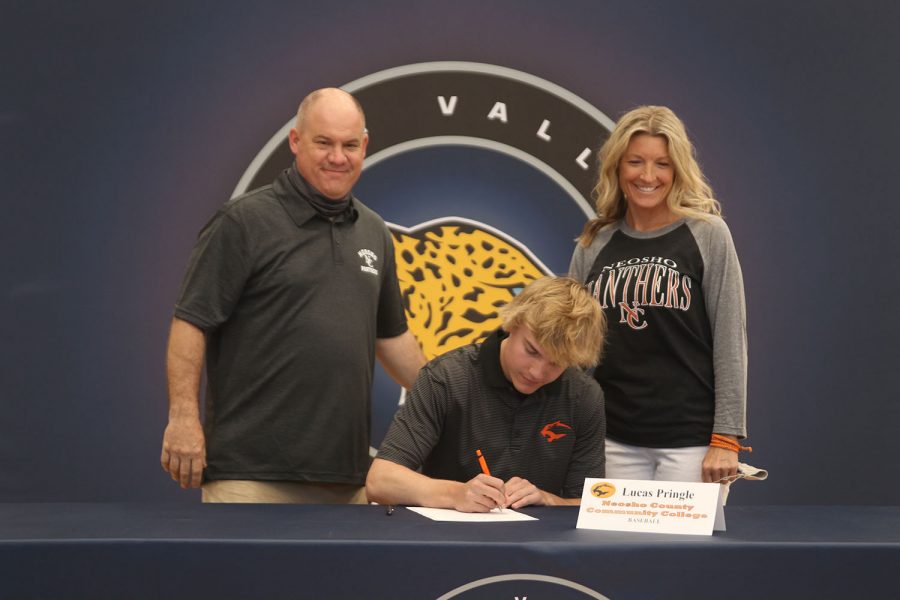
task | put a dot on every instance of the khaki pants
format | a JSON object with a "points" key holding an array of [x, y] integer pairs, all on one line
{"points": [[282, 492]]}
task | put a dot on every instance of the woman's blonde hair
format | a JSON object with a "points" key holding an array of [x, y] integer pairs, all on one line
{"points": [[564, 318], [691, 195]]}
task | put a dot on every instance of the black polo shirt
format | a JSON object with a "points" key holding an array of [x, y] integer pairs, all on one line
{"points": [[462, 402], [291, 303]]}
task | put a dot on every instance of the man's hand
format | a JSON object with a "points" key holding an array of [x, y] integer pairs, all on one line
{"points": [[521, 492], [184, 447], [184, 451], [482, 493]]}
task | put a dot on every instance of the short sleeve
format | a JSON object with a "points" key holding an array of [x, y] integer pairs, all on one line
{"points": [[216, 274], [418, 424]]}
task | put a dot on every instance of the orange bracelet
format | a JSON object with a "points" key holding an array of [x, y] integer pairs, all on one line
{"points": [[720, 441]]}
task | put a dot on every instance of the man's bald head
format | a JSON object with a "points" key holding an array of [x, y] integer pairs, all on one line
{"points": [[333, 96]]}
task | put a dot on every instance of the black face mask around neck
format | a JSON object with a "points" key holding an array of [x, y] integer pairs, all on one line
{"points": [[324, 206]]}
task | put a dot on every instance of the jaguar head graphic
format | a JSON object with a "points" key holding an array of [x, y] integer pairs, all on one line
{"points": [[454, 274]]}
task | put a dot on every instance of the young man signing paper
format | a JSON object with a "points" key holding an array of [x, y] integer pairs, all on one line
{"points": [[518, 402]]}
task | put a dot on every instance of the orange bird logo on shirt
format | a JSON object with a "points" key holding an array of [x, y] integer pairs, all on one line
{"points": [[552, 436]]}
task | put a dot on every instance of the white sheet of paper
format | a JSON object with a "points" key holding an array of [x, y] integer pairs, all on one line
{"points": [[447, 514]]}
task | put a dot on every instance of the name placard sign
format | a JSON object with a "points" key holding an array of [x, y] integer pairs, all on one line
{"points": [[648, 506]]}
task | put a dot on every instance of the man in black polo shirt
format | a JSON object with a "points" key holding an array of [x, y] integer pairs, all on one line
{"points": [[290, 294], [519, 398]]}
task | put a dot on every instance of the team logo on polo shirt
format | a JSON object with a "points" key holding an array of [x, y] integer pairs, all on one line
{"points": [[554, 431], [483, 175], [369, 257]]}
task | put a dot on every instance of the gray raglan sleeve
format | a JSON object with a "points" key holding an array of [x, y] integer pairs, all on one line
{"points": [[578, 266], [583, 258], [723, 290]]}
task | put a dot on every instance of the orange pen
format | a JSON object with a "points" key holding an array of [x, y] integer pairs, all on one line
{"points": [[483, 463], [484, 469]]}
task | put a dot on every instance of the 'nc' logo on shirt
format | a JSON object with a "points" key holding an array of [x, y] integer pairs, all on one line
{"points": [[632, 316]]}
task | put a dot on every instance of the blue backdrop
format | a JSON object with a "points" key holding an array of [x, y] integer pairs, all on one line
{"points": [[124, 125]]}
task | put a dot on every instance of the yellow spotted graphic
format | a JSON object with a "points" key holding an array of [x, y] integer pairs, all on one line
{"points": [[454, 274], [604, 489]]}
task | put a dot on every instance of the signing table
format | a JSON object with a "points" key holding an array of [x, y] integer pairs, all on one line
{"points": [[324, 552]]}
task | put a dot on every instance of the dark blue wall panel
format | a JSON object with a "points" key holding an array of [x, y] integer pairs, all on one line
{"points": [[124, 125]]}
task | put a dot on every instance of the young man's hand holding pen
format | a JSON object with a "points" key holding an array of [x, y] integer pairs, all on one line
{"points": [[482, 493], [491, 481]]}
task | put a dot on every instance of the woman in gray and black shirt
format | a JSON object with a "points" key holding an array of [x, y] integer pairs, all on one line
{"points": [[662, 263]]}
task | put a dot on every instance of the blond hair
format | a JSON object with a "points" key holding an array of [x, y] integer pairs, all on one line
{"points": [[691, 194], [564, 318]]}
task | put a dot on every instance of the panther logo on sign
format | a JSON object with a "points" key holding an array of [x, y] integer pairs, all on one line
{"points": [[604, 489], [483, 175]]}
